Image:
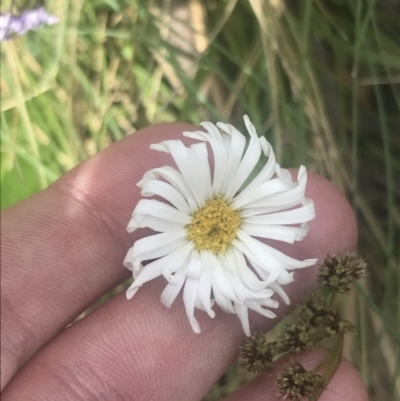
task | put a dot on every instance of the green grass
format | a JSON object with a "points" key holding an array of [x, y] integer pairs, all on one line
{"points": [[320, 79]]}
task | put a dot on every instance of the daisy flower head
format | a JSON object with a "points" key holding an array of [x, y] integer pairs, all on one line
{"points": [[211, 225]]}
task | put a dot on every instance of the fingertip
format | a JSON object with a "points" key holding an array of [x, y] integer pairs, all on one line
{"points": [[335, 226]]}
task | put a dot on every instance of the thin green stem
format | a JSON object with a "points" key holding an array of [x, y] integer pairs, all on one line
{"points": [[332, 361]]}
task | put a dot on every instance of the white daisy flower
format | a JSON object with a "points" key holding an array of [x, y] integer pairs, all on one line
{"points": [[210, 226]]}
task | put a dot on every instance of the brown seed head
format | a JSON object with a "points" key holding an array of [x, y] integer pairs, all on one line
{"points": [[295, 383], [338, 271]]}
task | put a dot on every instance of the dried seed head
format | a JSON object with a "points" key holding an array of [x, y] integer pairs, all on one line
{"points": [[295, 383], [297, 338], [315, 309], [335, 325], [257, 355], [338, 271]]}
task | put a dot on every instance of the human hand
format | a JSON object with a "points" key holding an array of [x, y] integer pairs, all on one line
{"points": [[63, 248]]}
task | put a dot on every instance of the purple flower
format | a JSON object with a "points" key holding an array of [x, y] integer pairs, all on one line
{"points": [[29, 20]]}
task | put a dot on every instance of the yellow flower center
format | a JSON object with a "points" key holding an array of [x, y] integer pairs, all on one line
{"points": [[214, 226]]}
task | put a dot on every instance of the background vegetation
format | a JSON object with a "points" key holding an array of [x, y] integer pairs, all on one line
{"points": [[320, 79]]}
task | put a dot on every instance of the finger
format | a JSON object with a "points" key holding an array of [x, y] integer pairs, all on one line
{"points": [[141, 348], [345, 385], [63, 248]]}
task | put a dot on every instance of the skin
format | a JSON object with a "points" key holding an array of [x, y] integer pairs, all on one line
{"points": [[63, 248]]}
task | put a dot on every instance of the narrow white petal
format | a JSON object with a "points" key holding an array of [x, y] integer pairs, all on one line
{"points": [[223, 302], [178, 259], [282, 199], [172, 290], [200, 149], [156, 246], [148, 273], [285, 277], [284, 175], [221, 279], [264, 272], [188, 165], [157, 268], [128, 259], [155, 223], [247, 275], [175, 178], [168, 192], [131, 291], [189, 299], [205, 285], [219, 152], [247, 164], [194, 268], [255, 306], [249, 196], [269, 303], [243, 314], [295, 216], [240, 288], [268, 170], [287, 261], [256, 251], [276, 232], [235, 152], [278, 289], [157, 209]]}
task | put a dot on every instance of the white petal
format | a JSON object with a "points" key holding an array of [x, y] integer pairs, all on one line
{"points": [[243, 314], [204, 291], [180, 258], [247, 164], [235, 152], [156, 246], [244, 293], [255, 306], [281, 200], [200, 149], [131, 291], [287, 261], [157, 209], [240, 270], [278, 289], [175, 178], [268, 170], [189, 299], [149, 272], [284, 175], [224, 303], [276, 232], [285, 278], [128, 259], [295, 216], [172, 290], [264, 273], [156, 224], [168, 192], [221, 279], [268, 302], [194, 268], [249, 196], [188, 166], [256, 251], [219, 152]]}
